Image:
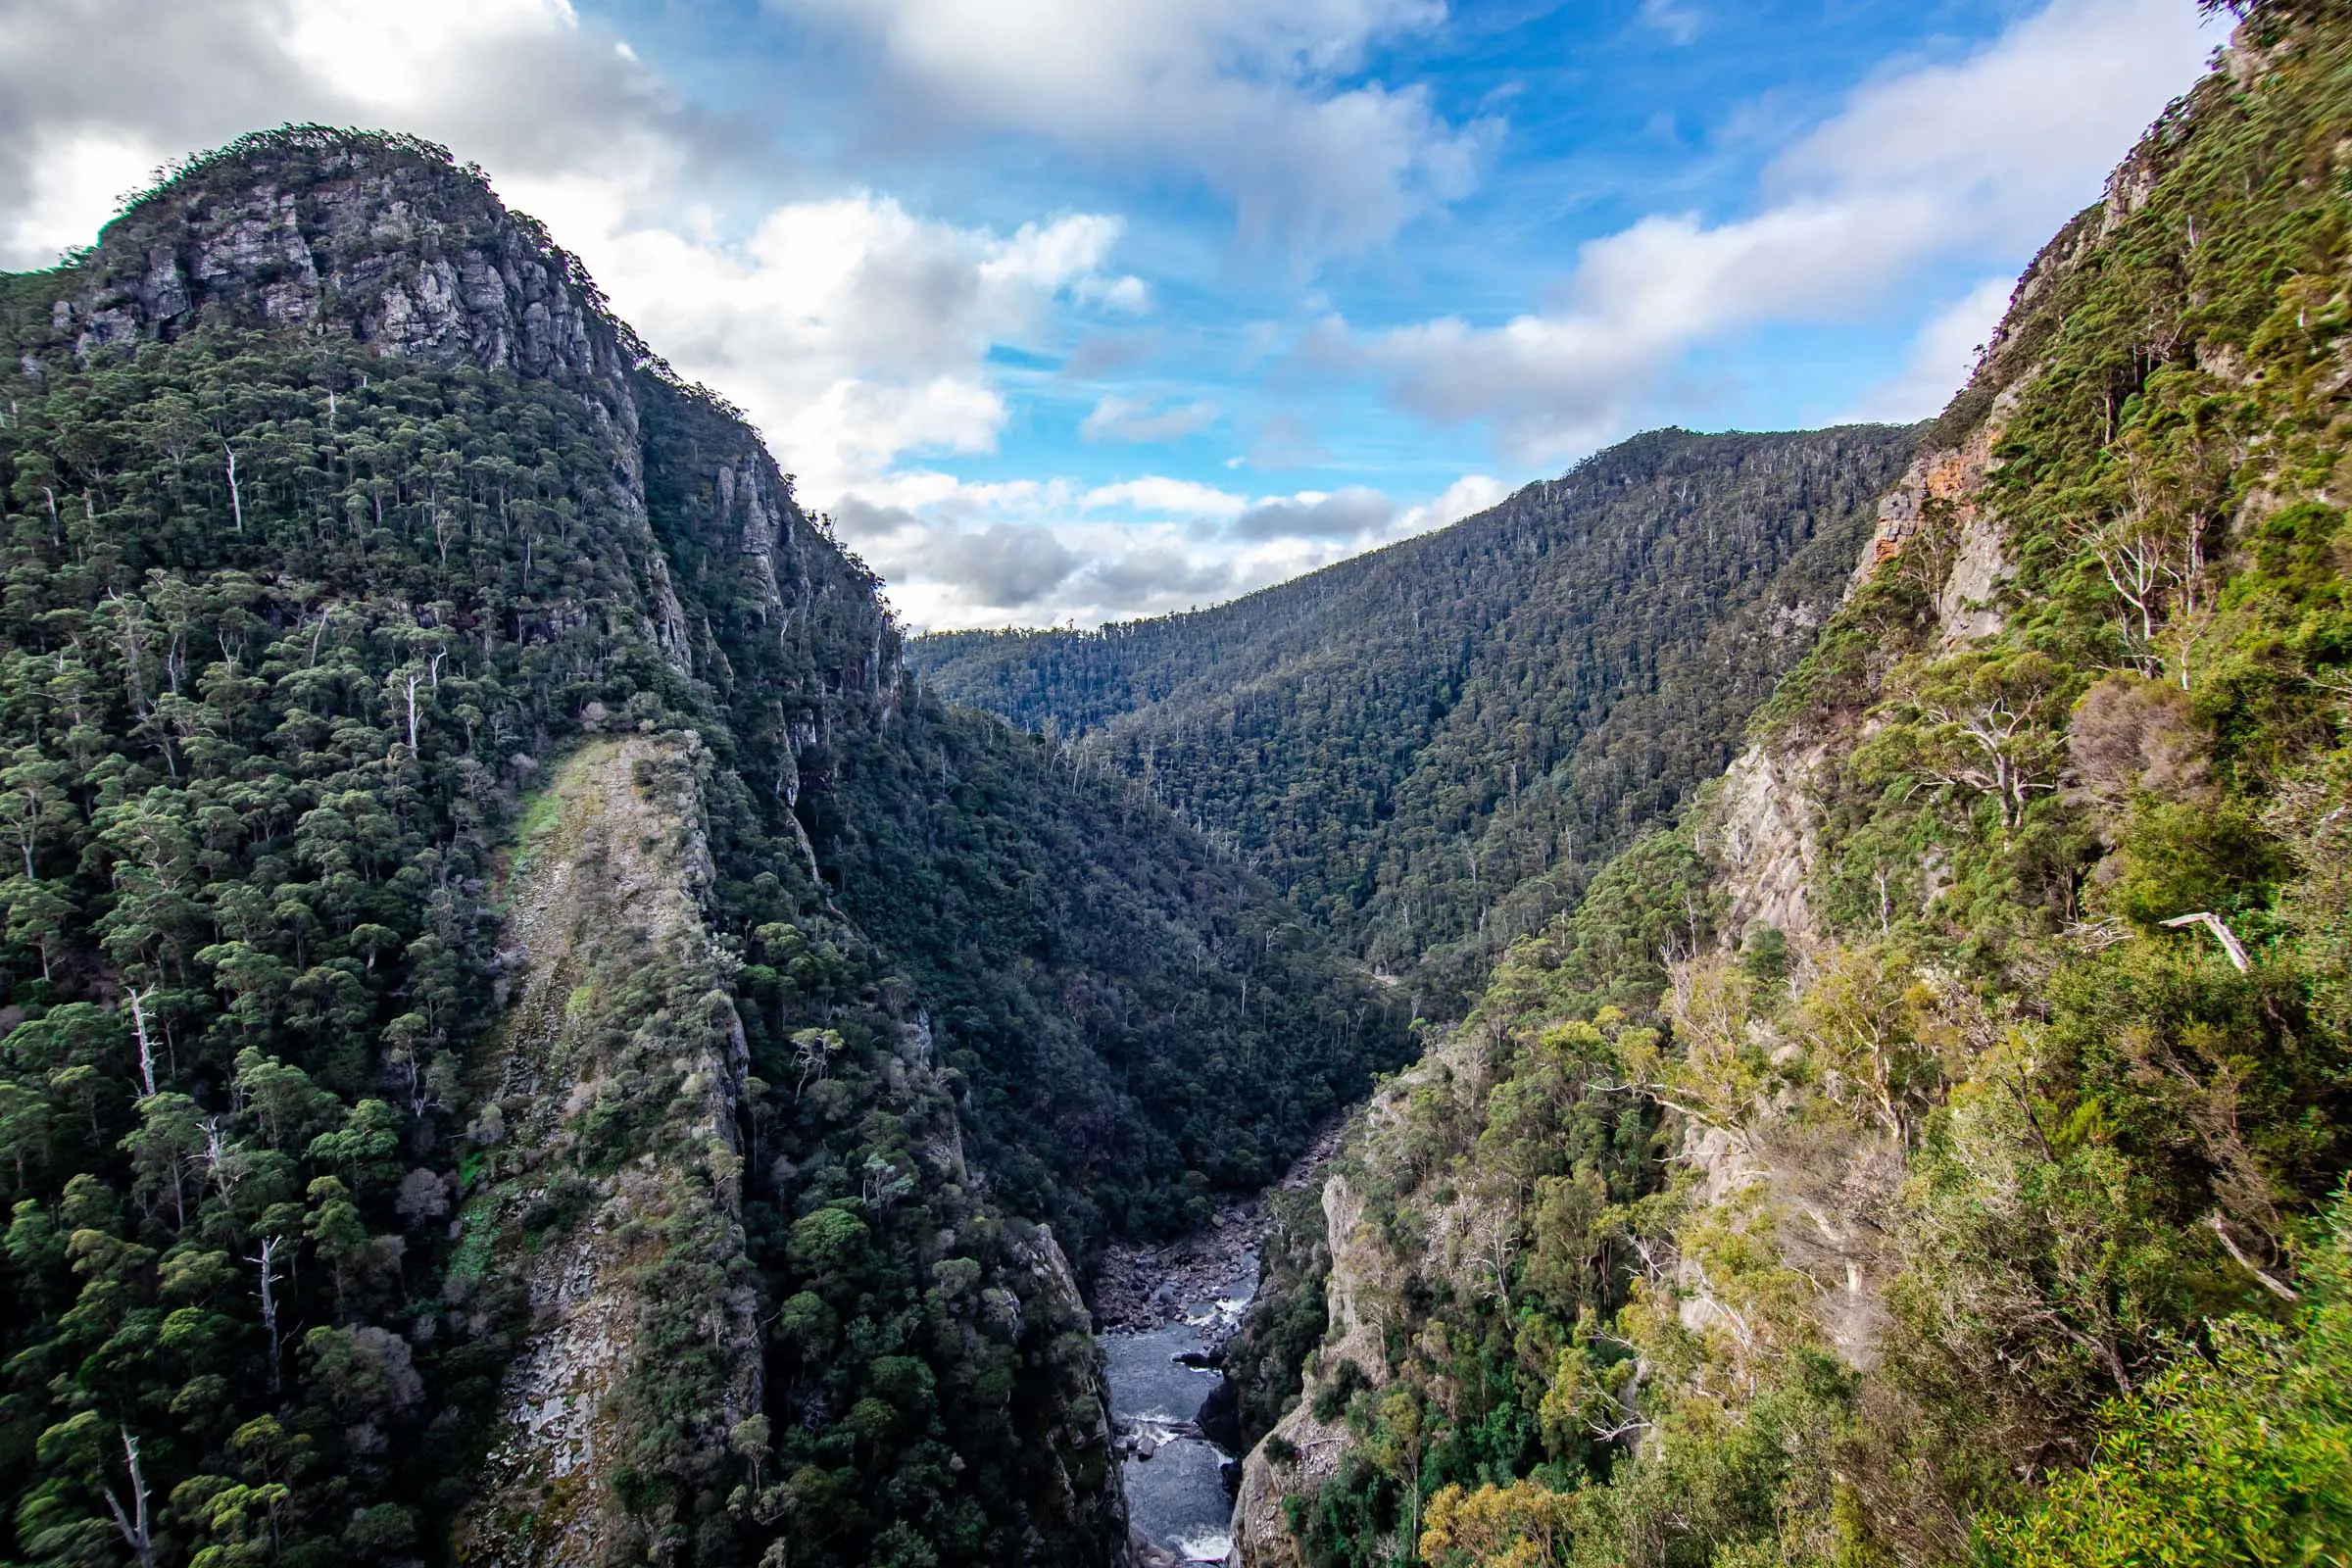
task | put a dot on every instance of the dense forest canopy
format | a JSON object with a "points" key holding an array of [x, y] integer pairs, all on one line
{"points": [[340, 515], [1985, 1201], [1431, 748], [501, 947]]}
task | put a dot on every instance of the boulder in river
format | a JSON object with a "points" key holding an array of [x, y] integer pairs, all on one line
{"points": [[1220, 1417]]}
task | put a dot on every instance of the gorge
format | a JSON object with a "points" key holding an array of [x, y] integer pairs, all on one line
{"points": [[1777, 998], [1848, 1173]]}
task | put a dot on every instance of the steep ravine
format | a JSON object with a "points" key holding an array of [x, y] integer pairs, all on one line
{"points": [[780, 934], [1757, 830], [1167, 1316]]}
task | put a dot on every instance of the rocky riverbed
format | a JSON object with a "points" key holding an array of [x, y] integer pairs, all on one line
{"points": [[1163, 1316], [1138, 1287]]}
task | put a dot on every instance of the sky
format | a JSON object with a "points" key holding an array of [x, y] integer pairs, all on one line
{"points": [[1068, 311]]}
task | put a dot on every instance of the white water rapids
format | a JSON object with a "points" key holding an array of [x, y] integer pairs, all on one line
{"points": [[1176, 1498]]}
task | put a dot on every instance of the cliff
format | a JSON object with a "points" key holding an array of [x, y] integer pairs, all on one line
{"points": [[1845, 1177], [372, 237], [560, 957]]}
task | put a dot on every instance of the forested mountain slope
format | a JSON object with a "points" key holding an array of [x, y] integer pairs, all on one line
{"points": [[1432, 747], [501, 963], [1932, 1149]]}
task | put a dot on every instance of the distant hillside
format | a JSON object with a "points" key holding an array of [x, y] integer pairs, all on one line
{"points": [[1432, 747], [501, 966], [1932, 1150]]}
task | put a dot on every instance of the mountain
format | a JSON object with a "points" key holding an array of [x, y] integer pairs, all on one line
{"points": [[529, 1039], [1931, 1147], [1431, 748]]}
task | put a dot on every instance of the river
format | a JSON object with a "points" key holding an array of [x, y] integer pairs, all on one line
{"points": [[1174, 1477], [1162, 1316]]}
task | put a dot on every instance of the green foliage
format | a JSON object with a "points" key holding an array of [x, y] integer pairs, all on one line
{"points": [[2238, 1453], [1115, 997], [1506, 1185], [294, 631], [1433, 748], [1994, 1231]]}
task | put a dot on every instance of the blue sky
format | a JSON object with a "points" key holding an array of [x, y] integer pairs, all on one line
{"points": [[1071, 310]]}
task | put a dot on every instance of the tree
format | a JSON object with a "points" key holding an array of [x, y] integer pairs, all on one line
{"points": [[1993, 722], [1518, 1526]]}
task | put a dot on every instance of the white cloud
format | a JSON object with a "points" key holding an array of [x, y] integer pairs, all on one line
{"points": [[1002, 566], [1118, 418], [1182, 498], [1942, 355], [853, 332], [1243, 94], [1984, 155], [1037, 553], [1676, 21], [60, 201], [1466, 497], [1120, 296]]}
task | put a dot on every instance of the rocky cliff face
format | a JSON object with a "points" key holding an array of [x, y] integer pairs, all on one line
{"points": [[611, 1165], [374, 237], [1763, 839], [1938, 515], [1309, 1445]]}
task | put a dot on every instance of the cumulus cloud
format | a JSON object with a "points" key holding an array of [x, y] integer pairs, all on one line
{"points": [[1158, 575], [1118, 418], [1182, 498], [1000, 565], [1349, 513], [1245, 95], [1042, 553], [1982, 155], [853, 332], [1365, 515], [1942, 355]]}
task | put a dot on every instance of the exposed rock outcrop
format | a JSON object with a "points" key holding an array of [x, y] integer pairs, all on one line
{"points": [[1940, 505], [1764, 842], [1085, 1501], [1822, 1195], [1312, 1446], [372, 236], [1940, 497], [610, 1169]]}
